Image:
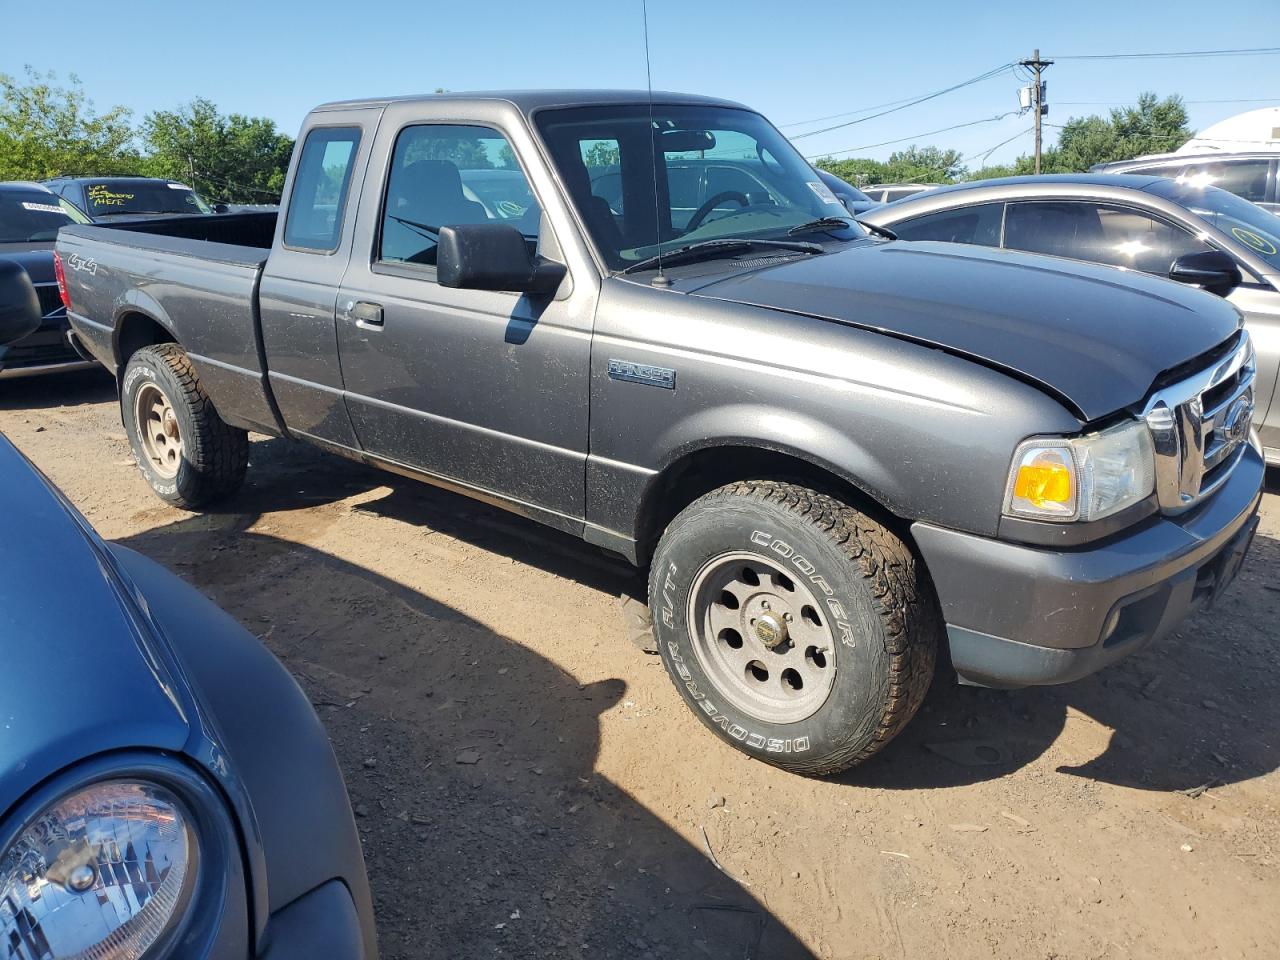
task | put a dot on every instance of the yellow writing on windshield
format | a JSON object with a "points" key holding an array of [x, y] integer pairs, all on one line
{"points": [[1251, 239], [100, 195]]}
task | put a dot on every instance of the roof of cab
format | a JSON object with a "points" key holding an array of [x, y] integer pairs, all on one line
{"points": [[527, 101]]}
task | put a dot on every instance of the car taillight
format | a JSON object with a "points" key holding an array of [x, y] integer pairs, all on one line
{"points": [[61, 276]]}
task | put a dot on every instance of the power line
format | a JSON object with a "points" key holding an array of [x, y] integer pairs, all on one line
{"points": [[910, 103], [915, 136], [874, 106], [986, 154], [1179, 54]]}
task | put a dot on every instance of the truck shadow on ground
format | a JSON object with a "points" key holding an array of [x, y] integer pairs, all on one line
{"points": [[73, 389], [470, 761], [1198, 708]]}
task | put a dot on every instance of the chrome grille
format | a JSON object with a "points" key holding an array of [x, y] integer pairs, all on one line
{"points": [[50, 299], [1200, 428]]}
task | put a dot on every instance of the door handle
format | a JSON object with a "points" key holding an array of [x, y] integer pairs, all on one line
{"points": [[368, 316]]}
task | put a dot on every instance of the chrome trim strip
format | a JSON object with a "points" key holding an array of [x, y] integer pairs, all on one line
{"points": [[14, 373]]}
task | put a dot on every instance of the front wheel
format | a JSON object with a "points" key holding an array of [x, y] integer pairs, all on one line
{"points": [[188, 454], [798, 629]]}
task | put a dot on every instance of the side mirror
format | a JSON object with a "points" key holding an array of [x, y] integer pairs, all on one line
{"points": [[19, 305], [1213, 270], [221, 208], [493, 256]]}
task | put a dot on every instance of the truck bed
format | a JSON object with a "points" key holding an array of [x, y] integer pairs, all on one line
{"points": [[197, 277]]}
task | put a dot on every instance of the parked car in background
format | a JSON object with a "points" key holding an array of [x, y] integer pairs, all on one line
{"points": [[889, 192], [30, 217], [854, 200], [166, 789], [1170, 228], [1253, 176], [105, 197], [833, 453]]}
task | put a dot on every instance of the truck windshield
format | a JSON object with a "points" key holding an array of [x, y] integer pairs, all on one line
{"points": [[34, 216], [114, 198], [718, 173], [1246, 222]]}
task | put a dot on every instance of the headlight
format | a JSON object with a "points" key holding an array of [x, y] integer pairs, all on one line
{"points": [[99, 875], [1081, 478]]}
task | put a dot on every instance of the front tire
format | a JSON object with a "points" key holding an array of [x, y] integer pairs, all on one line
{"points": [[798, 629], [187, 453]]}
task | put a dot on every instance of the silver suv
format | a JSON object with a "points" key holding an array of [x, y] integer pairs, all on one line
{"points": [[1249, 175]]}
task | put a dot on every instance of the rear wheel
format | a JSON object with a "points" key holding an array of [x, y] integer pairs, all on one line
{"points": [[800, 630], [186, 452]]}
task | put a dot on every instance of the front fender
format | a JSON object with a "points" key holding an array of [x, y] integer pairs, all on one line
{"points": [[786, 431]]}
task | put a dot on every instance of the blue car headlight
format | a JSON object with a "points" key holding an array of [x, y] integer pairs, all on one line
{"points": [[103, 873]]}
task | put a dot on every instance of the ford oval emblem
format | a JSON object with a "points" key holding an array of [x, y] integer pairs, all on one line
{"points": [[1238, 419]]}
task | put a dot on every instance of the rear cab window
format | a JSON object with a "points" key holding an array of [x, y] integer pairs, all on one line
{"points": [[321, 184]]}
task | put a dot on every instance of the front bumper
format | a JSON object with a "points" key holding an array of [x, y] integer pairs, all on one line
{"points": [[324, 923], [48, 349], [1018, 615]]}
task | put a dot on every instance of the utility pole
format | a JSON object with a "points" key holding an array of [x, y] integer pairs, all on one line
{"points": [[1036, 65]]}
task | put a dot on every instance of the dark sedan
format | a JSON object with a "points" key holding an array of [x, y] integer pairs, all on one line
{"points": [[1187, 231], [105, 197], [30, 217], [166, 790], [854, 200]]}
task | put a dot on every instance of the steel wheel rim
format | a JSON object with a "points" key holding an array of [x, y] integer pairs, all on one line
{"points": [[772, 655], [158, 431]]}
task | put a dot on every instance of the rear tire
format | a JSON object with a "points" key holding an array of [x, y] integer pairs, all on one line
{"points": [[186, 452], [798, 629]]}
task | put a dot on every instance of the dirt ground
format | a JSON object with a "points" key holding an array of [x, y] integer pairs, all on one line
{"points": [[528, 784]]}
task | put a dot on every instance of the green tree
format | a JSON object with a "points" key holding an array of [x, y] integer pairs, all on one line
{"points": [[47, 130], [1151, 126], [603, 153], [925, 164], [233, 157], [912, 165]]}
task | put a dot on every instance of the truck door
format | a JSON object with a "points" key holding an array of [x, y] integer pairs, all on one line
{"points": [[300, 283], [486, 389]]}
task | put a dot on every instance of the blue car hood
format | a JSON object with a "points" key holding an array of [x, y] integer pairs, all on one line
{"points": [[79, 675]]}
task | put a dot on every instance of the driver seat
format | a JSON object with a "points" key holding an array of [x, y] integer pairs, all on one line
{"points": [[595, 210]]}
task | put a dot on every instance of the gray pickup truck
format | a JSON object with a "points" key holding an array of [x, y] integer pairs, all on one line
{"points": [[834, 452]]}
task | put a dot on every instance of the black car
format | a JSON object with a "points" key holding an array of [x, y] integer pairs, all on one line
{"points": [[106, 197], [854, 200], [30, 216]]}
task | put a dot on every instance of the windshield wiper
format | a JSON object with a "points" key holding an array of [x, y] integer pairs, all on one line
{"points": [[432, 233], [821, 225], [840, 223], [877, 229], [710, 249]]}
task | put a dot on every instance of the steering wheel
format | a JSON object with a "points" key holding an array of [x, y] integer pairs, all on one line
{"points": [[701, 213]]}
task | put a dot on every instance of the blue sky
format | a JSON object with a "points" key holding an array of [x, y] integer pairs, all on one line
{"points": [[791, 61]]}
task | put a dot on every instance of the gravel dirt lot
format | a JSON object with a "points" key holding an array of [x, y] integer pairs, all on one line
{"points": [[528, 784]]}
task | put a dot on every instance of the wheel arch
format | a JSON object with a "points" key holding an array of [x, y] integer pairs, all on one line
{"points": [[698, 470], [139, 322]]}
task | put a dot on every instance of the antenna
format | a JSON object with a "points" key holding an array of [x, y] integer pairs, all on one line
{"points": [[660, 279]]}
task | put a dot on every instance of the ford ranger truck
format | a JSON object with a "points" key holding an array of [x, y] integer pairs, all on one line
{"points": [[834, 453]]}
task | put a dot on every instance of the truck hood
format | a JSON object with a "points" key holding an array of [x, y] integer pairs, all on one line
{"points": [[36, 259], [1095, 337], [80, 676]]}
